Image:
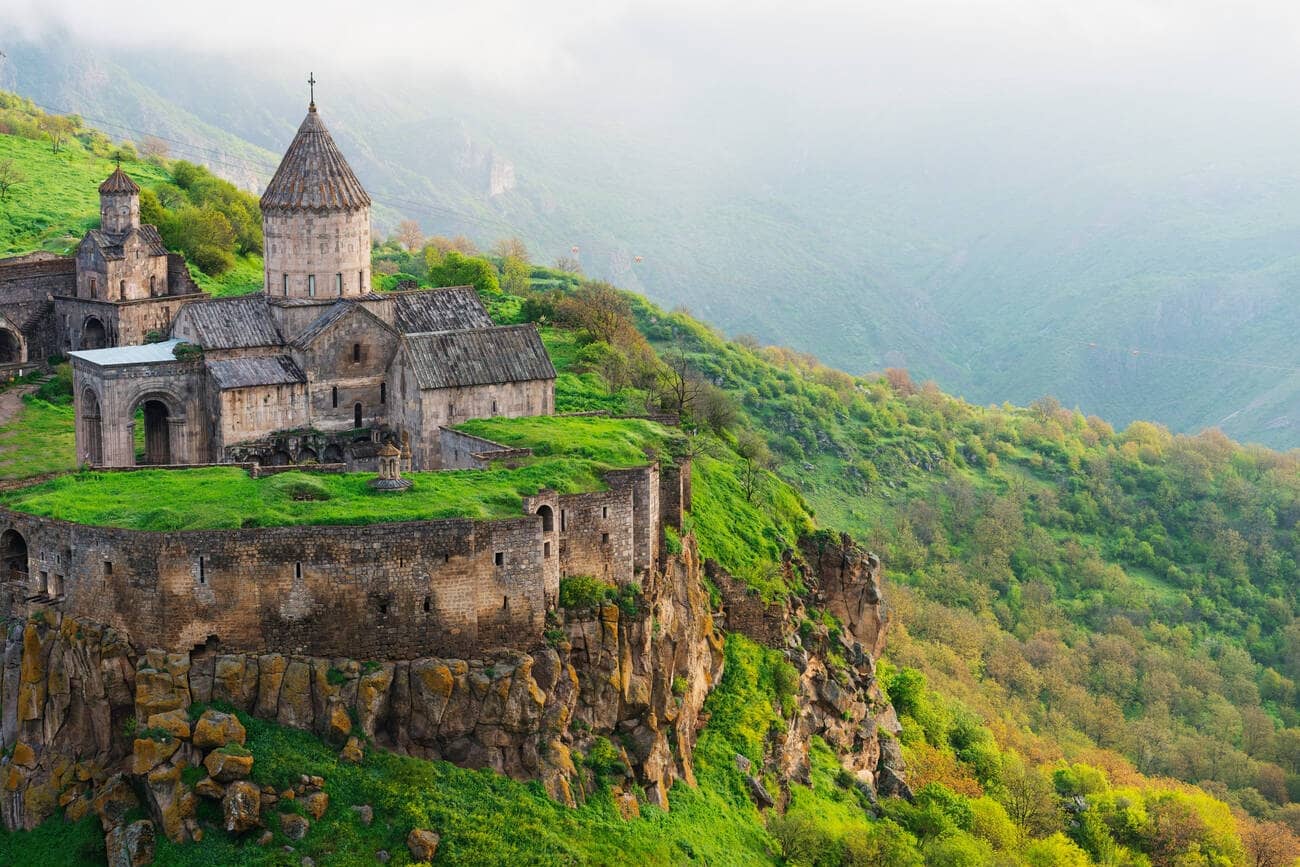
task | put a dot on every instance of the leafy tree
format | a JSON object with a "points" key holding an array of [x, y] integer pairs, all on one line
{"points": [[10, 177], [457, 269]]}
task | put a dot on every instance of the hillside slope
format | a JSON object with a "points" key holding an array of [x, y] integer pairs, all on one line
{"points": [[1095, 641]]}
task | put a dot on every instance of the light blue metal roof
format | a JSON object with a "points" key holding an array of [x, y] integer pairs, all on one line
{"points": [[149, 353]]}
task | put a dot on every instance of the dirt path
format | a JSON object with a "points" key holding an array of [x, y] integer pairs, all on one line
{"points": [[11, 400]]}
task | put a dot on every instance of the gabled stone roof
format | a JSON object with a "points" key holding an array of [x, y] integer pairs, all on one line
{"points": [[112, 246], [119, 182], [480, 356], [337, 312], [248, 372], [228, 323], [456, 308], [313, 174]]}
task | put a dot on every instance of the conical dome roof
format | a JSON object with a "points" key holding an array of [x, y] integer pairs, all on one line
{"points": [[313, 174], [119, 182]]}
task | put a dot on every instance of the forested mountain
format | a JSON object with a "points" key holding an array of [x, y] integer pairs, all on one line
{"points": [[1140, 268]]}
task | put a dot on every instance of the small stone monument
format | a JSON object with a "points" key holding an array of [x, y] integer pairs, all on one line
{"points": [[406, 451], [390, 470]]}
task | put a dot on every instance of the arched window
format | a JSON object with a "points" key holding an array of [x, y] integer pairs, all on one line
{"points": [[383, 392], [121, 288], [356, 353], [334, 396], [356, 415], [151, 284], [311, 285]]}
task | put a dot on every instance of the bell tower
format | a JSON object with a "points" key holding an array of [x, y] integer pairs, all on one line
{"points": [[315, 219], [119, 204]]}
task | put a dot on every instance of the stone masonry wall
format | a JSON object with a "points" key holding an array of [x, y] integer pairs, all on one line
{"points": [[386, 590]]}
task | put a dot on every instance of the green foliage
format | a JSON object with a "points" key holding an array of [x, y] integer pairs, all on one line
{"points": [[456, 269], [583, 592], [39, 439]]}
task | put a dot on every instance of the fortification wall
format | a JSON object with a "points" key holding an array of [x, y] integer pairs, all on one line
{"points": [[387, 591]]}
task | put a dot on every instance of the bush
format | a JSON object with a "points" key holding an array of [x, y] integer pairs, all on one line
{"points": [[583, 592]]}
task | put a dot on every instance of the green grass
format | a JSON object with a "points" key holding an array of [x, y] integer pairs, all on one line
{"points": [[38, 440], [243, 279], [55, 843], [609, 442], [59, 200], [225, 498]]}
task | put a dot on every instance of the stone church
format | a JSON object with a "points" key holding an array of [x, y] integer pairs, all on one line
{"points": [[316, 368]]}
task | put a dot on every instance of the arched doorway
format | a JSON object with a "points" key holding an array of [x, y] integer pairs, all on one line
{"points": [[93, 334], [308, 456], [333, 454], [11, 347], [548, 518], [157, 433], [13, 555], [92, 427], [356, 416], [280, 458]]}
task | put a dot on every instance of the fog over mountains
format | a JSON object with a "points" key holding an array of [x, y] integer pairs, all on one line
{"points": [[1099, 204]]}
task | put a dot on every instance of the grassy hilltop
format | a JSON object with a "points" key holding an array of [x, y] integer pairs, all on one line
{"points": [[1095, 640]]}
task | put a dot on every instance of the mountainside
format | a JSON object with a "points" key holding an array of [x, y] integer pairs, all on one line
{"points": [[1008, 265], [1094, 639]]}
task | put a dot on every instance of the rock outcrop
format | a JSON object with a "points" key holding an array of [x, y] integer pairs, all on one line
{"points": [[629, 677]]}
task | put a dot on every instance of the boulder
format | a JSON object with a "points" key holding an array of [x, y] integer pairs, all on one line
{"points": [[209, 788], [113, 801], [225, 766], [170, 802], [423, 844], [130, 845], [352, 752], [295, 707], [175, 722], [759, 793], [241, 806], [216, 729], [294, 826], [316, 803], [365, 813], [149, 753]]}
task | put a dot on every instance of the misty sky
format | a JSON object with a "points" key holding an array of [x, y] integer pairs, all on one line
{"points": [[645, 53]]}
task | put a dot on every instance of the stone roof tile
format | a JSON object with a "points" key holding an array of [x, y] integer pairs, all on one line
{"points": [[480, 356], [456, 308], [314, 175], [119, 182], [228, 323], [247, 372]]}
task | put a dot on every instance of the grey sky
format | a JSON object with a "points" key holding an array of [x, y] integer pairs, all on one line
{"points": [[900, 47]]}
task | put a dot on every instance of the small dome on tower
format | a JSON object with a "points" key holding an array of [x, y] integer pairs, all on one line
{"points": [[119, 182], [313, 174]]}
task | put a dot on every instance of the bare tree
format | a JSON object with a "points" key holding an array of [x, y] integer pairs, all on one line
{"points": [[511, 248], [677, 388], [1270, 844], [152, 147], [10, 177], [755, 460], [568, 264], [409, 234]]}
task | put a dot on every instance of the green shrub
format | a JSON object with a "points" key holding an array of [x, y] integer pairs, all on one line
{"points": [[583, 592]]}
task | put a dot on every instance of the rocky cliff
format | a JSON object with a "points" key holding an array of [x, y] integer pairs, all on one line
{"points": [[76, 697]]}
